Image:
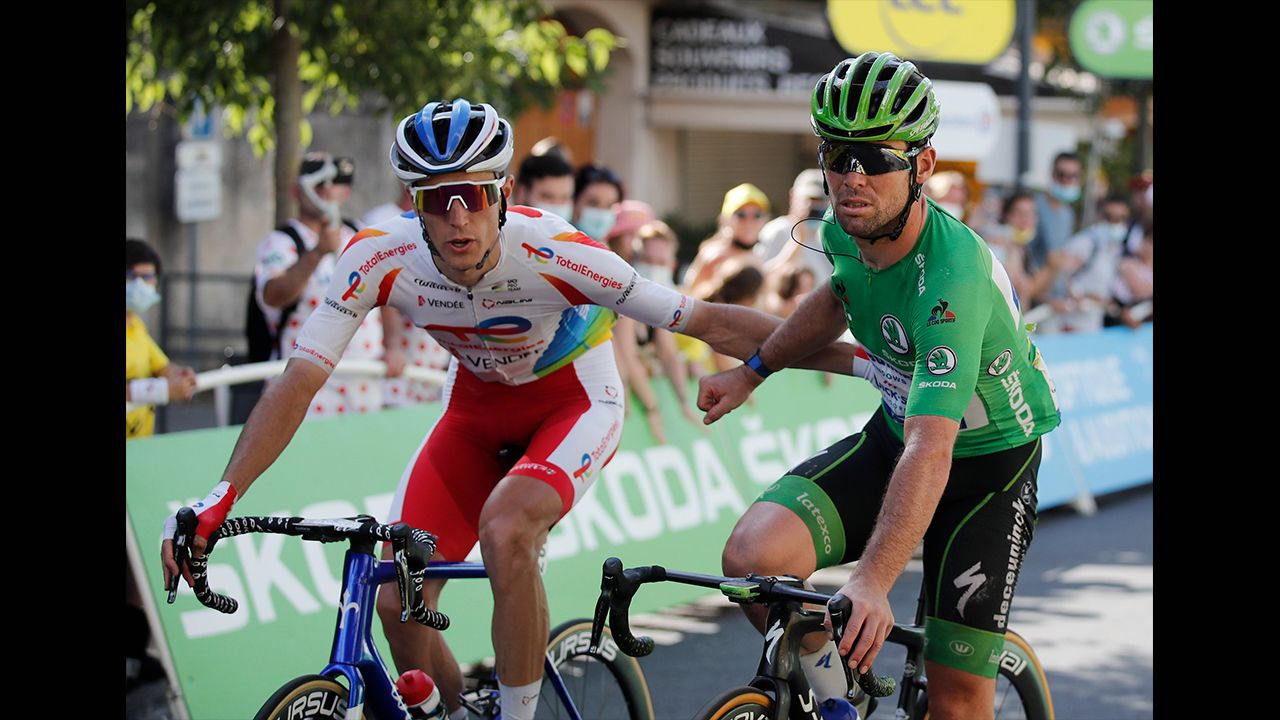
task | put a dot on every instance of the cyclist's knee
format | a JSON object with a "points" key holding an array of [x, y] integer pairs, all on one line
{"points": [[764, 542]]}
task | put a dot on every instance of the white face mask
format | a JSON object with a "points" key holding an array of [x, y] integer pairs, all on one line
{"points": [[565, 211], [596, 222], [659, 274], [140, 296]]}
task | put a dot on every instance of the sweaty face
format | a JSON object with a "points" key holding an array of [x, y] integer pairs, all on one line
{"points": [[462, 234], [869, 205]]}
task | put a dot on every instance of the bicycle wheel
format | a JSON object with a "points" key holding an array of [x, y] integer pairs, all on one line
{"points": [[606, 686], [309, 697], [1022, 691], [740, 703]]}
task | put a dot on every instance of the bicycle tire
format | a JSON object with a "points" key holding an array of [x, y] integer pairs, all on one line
{"points": [[321, 698], [740, 703], [605, 686], [1022, 690]]}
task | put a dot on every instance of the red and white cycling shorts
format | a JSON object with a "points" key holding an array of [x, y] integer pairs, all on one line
{"points": [[569, 424]]}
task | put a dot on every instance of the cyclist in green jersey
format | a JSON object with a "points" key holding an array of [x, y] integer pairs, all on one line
{"points": [[951, 457]]}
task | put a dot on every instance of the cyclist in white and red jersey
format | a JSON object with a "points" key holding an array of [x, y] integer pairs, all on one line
{"points": [[524, 303]]}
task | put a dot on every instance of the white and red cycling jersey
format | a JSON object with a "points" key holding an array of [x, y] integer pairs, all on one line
{"points": [[553, 294], [532, 364]]}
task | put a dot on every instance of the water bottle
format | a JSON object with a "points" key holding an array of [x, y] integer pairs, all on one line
{"points": [[837, 709], [421, 695]]}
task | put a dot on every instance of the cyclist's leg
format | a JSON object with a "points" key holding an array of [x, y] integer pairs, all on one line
{"points": [[819, 514], [578, 425], [973, 553], [442, 491]]}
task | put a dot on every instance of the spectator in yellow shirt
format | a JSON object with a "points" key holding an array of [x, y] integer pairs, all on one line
{"points": [[149, 378]]}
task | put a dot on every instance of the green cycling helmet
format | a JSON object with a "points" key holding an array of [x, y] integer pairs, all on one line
{"points": [[874, 97]]}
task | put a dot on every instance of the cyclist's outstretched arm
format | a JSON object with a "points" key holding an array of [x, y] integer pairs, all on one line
{"points": [[804, 340], [273, 422]]}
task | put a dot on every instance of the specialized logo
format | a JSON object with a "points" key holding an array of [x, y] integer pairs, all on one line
{"points": [[825, 661], [941, 360], [357, 286], [539, 255], [940, 314], [771, 639], [1001, 364], [583, 472], [961, 648], [971, 579], [895, 335], [499, 330]]}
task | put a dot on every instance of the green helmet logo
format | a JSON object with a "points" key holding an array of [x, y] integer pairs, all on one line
{"points": [[874, 97]]}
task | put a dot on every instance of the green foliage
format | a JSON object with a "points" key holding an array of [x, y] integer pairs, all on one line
{"points": [[393, 54]]}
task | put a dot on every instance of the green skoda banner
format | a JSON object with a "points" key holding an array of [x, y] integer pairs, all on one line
{"points": [[1114, 38], [671, 505]]}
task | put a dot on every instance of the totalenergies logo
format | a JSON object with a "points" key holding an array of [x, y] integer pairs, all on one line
{"points": [[584, 471], [498, 330], [542, 255], [357, 286]]}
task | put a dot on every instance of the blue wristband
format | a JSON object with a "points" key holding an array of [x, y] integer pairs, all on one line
{"points": [[755, 363]]}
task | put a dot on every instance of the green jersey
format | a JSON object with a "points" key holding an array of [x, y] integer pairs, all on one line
{"points": [[941, 333]]}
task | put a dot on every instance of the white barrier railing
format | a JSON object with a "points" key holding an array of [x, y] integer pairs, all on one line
{"points": [[221, 379]]}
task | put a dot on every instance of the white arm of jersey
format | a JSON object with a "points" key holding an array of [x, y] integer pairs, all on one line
{"points": [[607, 280]]}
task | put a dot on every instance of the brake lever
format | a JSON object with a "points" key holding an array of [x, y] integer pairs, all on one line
{"points": [[181, 547]]}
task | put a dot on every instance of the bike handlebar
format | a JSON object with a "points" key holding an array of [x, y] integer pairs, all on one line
{"points": [[412, 548], [618, 586]]}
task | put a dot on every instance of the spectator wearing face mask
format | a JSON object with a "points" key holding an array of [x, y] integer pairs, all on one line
{"points": [[1095, 252], [149, 378], [545, 182], [784, 239], [596, 190], [1055, 210], [949, 190]]}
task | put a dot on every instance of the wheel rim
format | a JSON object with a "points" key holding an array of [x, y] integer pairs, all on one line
{"points": [[596, 691]]}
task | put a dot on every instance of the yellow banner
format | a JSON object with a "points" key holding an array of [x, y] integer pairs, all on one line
{"points": [[954, 31]]}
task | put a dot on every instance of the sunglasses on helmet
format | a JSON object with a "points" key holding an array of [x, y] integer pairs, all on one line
{"points": [[864, 158], [474, 196]]}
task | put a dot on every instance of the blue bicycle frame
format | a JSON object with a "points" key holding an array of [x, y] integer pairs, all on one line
{"points": [[354, 655]]}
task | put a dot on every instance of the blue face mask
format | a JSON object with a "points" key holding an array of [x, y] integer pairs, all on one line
{"points": [[1065, 193], [1117, 232], [139, 296], [595, 222]]}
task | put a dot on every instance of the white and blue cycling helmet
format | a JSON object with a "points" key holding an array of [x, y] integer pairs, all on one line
{"points": [[447, 137]]}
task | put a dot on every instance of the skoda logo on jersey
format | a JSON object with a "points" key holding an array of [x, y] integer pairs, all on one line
{"points": [[357, 286], [941, 360], [496, 330], [1000, 364], [542, 255], [895, 336]]}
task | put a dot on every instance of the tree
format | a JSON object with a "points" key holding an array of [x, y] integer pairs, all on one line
{"points": [[269, 63]]}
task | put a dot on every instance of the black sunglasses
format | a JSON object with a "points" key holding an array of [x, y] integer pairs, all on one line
{"points": [[864, 158]]}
